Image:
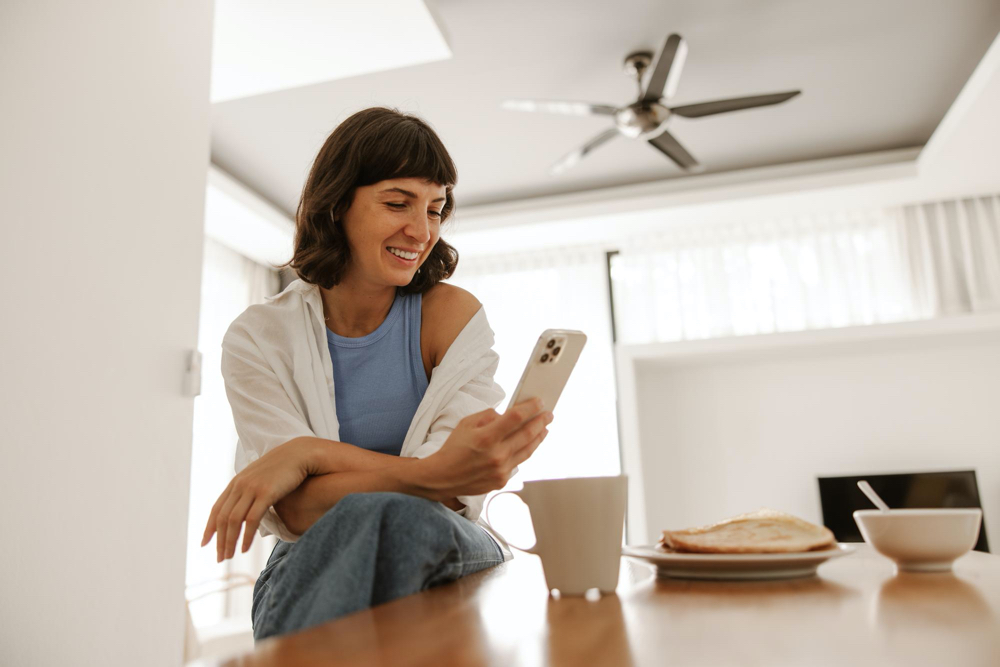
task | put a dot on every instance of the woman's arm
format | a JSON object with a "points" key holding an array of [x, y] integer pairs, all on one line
{"points": [[330, 456], [337, 469], [477, 457], [314, 497]]}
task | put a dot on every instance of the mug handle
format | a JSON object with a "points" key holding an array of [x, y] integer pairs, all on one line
{"points": [[531, 549]]}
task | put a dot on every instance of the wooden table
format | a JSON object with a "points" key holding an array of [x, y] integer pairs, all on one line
{"points": [[857, 611]]}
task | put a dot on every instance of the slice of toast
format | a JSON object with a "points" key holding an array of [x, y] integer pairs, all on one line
{"points": [[763, 531]]}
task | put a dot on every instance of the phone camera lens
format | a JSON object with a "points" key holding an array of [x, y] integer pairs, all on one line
{"points": [[545, 357], [551, 343], [555, 351]]}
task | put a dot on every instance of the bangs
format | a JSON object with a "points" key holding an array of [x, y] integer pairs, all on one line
{"points": [[407, 150]]}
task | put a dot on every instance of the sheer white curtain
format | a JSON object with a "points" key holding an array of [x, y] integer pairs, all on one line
{"points": [[953, 248], [230, 283], [809, 272], [523, 295]]}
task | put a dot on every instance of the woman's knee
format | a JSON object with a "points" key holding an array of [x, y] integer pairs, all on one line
{"points": [[372, 507], [387, 526], [377, 501]]}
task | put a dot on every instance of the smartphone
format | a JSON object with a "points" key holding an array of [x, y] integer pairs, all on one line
{"points": [[549, 367]]}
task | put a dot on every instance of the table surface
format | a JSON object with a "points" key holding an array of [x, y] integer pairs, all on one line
{"points": [[856, 611]]}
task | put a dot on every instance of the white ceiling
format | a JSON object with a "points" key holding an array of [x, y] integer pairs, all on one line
{"points": [[874, 76]]}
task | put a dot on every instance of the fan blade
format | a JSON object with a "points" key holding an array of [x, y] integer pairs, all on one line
{"points": [[572, 158], [554, 106], [666, 69], [734, 104], [672, 148]]}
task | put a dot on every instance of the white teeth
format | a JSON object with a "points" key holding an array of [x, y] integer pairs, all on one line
{"points": [[404, 255]]}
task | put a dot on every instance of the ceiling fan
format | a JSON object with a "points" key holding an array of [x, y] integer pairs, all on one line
{"points": [[647, 117]]}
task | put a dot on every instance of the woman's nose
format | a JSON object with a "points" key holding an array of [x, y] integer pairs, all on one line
{"points": [[419, 230]]}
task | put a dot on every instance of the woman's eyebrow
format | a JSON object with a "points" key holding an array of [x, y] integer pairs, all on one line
{"points": [[407, 193]]}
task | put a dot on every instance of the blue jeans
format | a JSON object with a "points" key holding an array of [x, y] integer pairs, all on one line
{"points": [[367, 549]]}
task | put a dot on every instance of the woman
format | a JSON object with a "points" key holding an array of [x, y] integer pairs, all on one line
{"points": [[363, 394]]}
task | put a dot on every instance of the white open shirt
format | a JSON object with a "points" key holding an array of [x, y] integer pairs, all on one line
{"points": [[279, 379]]}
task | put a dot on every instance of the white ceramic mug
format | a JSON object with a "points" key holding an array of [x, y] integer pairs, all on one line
{"points": [[578, 526]]}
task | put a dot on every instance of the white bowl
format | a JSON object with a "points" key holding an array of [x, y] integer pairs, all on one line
{"points": [[921, 540]]}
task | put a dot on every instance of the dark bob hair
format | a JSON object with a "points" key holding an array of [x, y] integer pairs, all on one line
{"points": [[372, 145]]}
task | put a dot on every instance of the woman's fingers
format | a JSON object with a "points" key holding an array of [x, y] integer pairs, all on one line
{"points": [[210, 526], [526, 404], [526, 439], [222, 524], [514, 418], [235, 521], [213, 515], [253, 522], [523, 454], [527, 432], [485, 417]]}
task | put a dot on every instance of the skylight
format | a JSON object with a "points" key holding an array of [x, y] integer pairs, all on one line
{"points": [[261, 47]]}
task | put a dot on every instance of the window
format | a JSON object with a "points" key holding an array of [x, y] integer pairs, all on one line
{"points": [[230, 283], [523, 295], [711, 281], [809, 272]]}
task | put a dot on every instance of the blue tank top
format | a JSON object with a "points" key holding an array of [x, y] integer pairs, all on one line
{"points": [[379, 379]]}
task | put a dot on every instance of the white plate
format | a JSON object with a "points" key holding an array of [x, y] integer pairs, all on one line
{"points": [[735, 566]]}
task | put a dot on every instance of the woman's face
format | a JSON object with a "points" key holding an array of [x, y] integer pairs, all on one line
{"points": [[401, 213]]}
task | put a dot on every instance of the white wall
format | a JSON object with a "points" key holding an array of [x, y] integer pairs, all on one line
{"points": [[104, 138], [731, 425]]}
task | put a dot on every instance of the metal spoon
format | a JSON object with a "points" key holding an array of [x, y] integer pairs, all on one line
{"points": [[872, 496]]}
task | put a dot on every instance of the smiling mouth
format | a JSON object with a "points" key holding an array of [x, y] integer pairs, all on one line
{"points": [[408, 262]]}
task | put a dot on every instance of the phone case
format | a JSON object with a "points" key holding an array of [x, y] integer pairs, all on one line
{"points": [[549, 367]]}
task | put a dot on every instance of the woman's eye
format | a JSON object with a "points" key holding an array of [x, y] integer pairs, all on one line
{"points": [[402, 206]]}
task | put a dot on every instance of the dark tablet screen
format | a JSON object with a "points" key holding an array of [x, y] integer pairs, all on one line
{"points": [[840, 496]]}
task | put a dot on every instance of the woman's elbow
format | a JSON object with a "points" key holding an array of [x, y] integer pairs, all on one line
{"points": [[288, 516]]}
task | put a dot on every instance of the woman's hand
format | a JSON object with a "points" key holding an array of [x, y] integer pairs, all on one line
{"points": [[254, 489], [484, 448]]}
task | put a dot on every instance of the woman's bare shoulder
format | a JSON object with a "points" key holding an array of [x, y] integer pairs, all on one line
{"points": [[447, 308]]}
